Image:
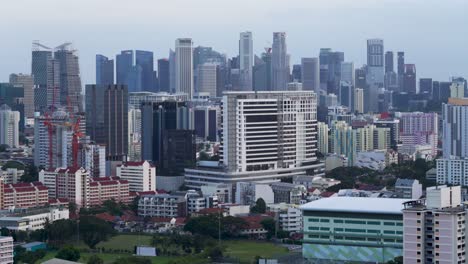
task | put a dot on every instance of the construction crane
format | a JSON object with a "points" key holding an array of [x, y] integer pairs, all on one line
{"points": [[77, 134]]}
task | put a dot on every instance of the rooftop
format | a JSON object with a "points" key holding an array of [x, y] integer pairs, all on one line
{"points": [[356, 205]]}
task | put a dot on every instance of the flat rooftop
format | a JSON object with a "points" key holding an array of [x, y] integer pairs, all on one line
{"points": [[356, 205]]}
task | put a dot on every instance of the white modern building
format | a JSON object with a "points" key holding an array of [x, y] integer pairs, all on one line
{"points": [[359, 100], [452, 171], [134, 134], [32, 219], [9, 126], [162, 205], [322, 135], [184, 66], [408, 188], [141, 176], [266, 136], [246, 60]]}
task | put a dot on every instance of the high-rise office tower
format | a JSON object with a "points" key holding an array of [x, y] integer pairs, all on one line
{"points": [[279, 62], [310, 74], [347, 84], [158, 120], [246, 60], [389, 67], [124, 64], [206, 80], [343, 140], [164, 75], [359, 100], [262, 72], [184, 66], [144, 60], [401, 62], [400, 68], [104, 70], [9, 126], [40, 56], [296, 74], [107, 118], [134, 134], [27, 82], [425, 86], [47, 77], [330, 70], [409, 79], [70, 80], [202, 55], [347, 73], [375, 71], [172, 71]]}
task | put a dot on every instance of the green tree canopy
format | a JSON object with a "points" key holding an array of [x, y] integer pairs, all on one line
{"points": [[94, 230], [259, 207], [68, 253]]}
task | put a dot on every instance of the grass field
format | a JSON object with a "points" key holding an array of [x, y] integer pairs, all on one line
{"points": [[246, 250], [125, 242]]}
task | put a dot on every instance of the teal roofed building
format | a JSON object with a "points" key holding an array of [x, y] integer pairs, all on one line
{"points": [[353, 229]]}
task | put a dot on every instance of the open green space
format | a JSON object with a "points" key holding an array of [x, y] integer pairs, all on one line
{"points": [[243, 250], [246, 250]]}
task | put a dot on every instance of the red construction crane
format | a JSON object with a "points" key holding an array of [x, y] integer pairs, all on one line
{"points": [[77, 134]]}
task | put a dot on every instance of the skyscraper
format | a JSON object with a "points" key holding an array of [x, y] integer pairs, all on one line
{"points": [[330, 70], [246, 60], [375, 71], [47, 73], [104, 70], [310, 74], [279, 62], [206, 80], [124, 65], [27, 82], [107, 118], [159, 119], [70, 80], [9, 126], [172, 71], [454, 132], [184, 66], [389, 61], [425, 86], [262, 72], [144, 60], [164, 75], [359, 100], [400, 68], [409, 79]]}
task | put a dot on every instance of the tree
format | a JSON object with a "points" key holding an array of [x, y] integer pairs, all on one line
{"points": [[214, 253], [231, 226], [134, 204], [112, 207], [4, 147], [68, 253], [60, 231], [95, 259], [397, 260], [259, 207], [269, 224], [203, 156], [94, 230], [13, 164], [31, 174], [72, 207]]}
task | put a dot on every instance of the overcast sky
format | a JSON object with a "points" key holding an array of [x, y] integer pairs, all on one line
{"points": [[433, 33]]}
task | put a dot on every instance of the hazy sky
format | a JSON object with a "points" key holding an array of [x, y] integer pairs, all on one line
{"points": [[433, 33]]}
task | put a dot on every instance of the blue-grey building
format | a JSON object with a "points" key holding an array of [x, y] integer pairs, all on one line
{"points": [[104, 70], [144, 60], [164, 75]]}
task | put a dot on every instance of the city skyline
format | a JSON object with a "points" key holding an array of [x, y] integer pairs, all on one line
{"points": [[421, 35]]}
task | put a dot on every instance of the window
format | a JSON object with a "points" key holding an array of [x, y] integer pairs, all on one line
{"points": [[390, 224]]}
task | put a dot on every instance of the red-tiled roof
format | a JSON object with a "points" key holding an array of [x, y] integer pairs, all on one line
{"points": [[254, 221], [211, 211], [327, 194], [106, 217]]}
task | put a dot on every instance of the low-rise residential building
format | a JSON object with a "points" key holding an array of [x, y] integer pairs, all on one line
{"points": [[162, 205], [108, 188], [408, 188], [353, 229], [435, 228], [24, 195], [196, 201], [32, 219], [222, 190], [141, 176], [6, 249], [289, 217], [452, 171]]}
